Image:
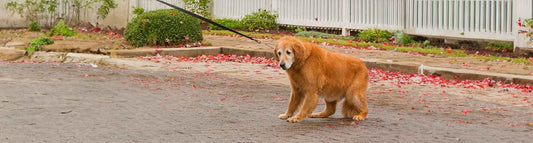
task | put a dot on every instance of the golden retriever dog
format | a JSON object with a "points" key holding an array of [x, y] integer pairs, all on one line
{"points": [[315, 72]]}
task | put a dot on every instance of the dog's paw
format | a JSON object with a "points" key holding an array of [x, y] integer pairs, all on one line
{"points": [[294, 119], [283, 116], [318, 115], [359, 118]]}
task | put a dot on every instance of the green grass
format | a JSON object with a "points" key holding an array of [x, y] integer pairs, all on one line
{"points": [[427, 50], [497, 58]]}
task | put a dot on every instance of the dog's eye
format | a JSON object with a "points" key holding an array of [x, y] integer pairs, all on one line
{"points": [[279, 53], [288, 52]]}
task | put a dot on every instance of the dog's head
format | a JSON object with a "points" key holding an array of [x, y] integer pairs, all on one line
{"points": [[290, 50]]}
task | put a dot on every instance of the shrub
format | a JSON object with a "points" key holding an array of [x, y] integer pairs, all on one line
{"points": [[230, 23], [299, 29], [35, 44], [61, 29], [320, 35], [402, 38], [138, 10], [499, 46], [261, 20], [375, 35], [34, 27], [426, 43], [163, 27]]}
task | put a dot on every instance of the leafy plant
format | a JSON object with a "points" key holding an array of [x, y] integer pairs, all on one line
{"points": [[32, 9], [163, 27], [61, 29], [34, 26], [230, 23], [36, 44], [402, 38], [260, 20], [105, 8], [138, 10], [529, 23], [374, 35], [198, 6], [102, 12], [499, 46]]}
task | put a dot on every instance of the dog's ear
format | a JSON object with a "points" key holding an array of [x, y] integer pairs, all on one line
{"points": [[301, 52], [276, 56]]}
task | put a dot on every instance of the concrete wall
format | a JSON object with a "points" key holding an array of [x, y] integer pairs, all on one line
{"points": [[117, 18], [9, 20]]}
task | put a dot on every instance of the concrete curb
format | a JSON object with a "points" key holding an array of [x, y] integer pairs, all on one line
{"points": [[447, 73], [190, 52]]}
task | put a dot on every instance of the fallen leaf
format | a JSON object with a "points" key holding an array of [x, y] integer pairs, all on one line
{"points": [[66, 112]]}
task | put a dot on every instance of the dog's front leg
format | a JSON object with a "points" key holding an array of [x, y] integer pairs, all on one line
{"points": [[294, 103], [310, 102]]}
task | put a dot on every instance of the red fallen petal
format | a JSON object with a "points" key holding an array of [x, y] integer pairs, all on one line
{"points": [[376, 92], [354, 123], [193, 86], [466, 111], [223, 99], [412, 108]]}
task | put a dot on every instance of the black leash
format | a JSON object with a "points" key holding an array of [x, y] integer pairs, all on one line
{"points": [[210, 21]]}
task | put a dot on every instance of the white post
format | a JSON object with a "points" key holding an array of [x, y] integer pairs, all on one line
{"points": [[345, 17], [522, 10]]}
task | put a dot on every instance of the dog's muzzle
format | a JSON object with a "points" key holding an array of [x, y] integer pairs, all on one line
{"points": [[282, 65]]}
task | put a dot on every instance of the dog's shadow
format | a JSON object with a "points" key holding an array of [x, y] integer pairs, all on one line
{"points": [[331, 122]]}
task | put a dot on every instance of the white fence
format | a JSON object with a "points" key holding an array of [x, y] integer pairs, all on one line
{"points": [[478, 19]]}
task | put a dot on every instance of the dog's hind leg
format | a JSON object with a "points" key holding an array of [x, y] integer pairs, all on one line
{"points": [[355, 105], [330, 110]]}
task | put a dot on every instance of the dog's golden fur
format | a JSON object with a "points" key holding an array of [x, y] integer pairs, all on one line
{"points": [[315, 72]]}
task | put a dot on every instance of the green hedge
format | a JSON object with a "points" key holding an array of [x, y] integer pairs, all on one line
{"points": [[163, 27]]}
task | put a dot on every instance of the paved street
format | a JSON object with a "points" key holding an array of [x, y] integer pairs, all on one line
{"points": [[236, 102]]}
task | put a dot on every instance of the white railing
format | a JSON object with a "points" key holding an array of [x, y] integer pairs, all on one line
{"points": [[478, 19]]}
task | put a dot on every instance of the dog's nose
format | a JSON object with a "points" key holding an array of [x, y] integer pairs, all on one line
{"points": [[282, 65]]}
